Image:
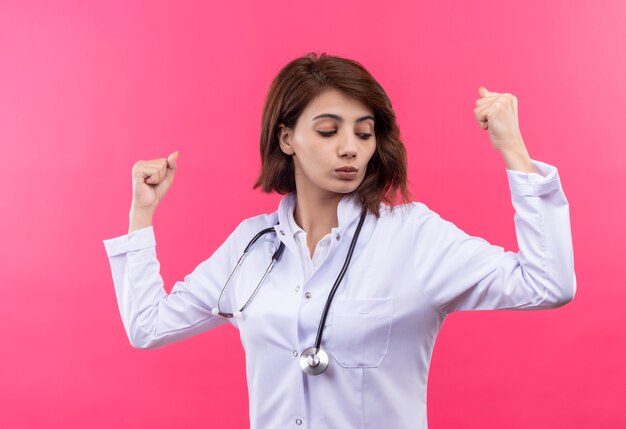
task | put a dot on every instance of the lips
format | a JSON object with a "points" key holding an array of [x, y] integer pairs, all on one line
{"points": [[348, 169]]}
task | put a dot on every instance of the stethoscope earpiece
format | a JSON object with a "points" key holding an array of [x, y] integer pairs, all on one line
{"points": [[237, 314]]}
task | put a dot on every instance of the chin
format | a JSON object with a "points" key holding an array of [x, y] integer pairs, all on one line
{"points": [[346, 189]]}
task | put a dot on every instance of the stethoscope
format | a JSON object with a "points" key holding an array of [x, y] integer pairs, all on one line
{"points": [[313, 360]]}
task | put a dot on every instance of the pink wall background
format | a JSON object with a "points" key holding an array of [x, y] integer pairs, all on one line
{"points": [[88, 88]]}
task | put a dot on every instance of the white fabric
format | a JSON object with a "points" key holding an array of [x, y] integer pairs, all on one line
{"points": [[410, 268], [309, 264]]}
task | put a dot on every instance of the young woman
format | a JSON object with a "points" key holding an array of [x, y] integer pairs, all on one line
{"points": [[340, 298]]}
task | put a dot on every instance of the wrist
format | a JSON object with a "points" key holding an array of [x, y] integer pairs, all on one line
{"points": [[142, 211], [139, 218], [518, 159]]}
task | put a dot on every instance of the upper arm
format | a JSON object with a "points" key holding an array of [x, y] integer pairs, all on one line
{"points": [[464, 272], [152, 318]]}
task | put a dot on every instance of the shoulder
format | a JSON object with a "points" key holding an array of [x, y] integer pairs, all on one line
{"points": [[411, 220], [250, 226], [417, 226], [415, 211]]}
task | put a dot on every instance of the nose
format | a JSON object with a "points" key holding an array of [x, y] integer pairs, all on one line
{"points": [[348, 147]]}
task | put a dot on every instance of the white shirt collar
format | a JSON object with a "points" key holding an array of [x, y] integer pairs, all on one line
{"points": [[293, 225], [348, 210]]}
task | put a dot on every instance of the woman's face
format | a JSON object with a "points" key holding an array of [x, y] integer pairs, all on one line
{"points": [[331, 144]]}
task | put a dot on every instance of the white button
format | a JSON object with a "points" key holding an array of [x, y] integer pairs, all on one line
{"points": [[307, 295], [282, 232], [295, 353], [338, 237], [298, 422]]}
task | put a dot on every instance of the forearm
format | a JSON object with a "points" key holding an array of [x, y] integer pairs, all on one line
{"points": [[139, 219], [517, 158]]}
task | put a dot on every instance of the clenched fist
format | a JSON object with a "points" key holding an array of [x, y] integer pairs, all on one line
{"points": [[497, 113], [151, 181]]}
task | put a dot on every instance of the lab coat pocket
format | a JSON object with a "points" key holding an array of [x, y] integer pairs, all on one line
{"points": [[359, 332]]}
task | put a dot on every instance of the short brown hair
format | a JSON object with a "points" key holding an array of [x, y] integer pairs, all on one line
{"points": [[295, 86]]}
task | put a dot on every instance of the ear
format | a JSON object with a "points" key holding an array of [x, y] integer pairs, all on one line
{"points": [[284, 139]]}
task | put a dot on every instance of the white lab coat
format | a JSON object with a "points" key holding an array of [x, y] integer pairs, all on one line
{"points": [[410, 268]]}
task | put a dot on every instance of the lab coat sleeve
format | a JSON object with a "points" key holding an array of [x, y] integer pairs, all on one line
{"points": [[152, 318], [463, 272]]}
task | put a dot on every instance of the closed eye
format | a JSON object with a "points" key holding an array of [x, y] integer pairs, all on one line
{"points": [[326, 133], [363, 136]]}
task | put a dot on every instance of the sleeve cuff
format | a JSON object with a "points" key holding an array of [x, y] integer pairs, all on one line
{"points": [[534, 184], [139, 239]]}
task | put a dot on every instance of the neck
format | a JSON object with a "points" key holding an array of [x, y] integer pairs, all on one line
{"points": [[316, 214]]}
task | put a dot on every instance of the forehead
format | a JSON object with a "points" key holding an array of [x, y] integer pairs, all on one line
{"points": [[338, 103]]}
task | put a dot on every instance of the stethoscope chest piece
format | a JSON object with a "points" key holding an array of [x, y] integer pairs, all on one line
{"points": [[313, 361]]}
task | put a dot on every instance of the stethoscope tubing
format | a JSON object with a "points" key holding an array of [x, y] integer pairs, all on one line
{"points": [[331, 295], [275, 257], [313, 360]]}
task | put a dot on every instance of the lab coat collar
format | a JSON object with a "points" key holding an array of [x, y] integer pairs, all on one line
{"points": [[348, 210]]}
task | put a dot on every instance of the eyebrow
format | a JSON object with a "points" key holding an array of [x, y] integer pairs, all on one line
{"points": [[340, 119]]}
